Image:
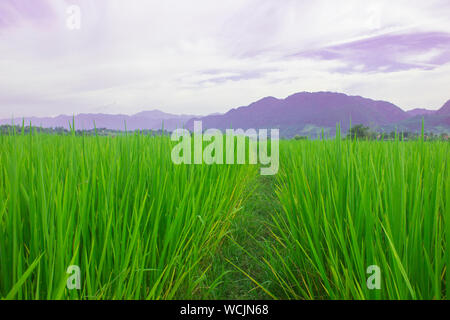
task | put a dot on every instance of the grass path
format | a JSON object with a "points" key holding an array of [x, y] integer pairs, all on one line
{"points": [[244, 247]]}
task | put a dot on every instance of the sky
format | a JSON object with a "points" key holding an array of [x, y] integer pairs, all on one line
{"points": [[202, 56]]}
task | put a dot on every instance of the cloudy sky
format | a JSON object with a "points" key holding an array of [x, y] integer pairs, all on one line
{"points": [[204, 56]]}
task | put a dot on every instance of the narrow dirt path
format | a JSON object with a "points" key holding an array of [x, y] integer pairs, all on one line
{"points": [[245, 245]]}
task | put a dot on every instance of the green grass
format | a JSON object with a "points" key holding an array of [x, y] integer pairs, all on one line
{"points": [[347, 205], [138, 226], [241, 252], [141, 227]]}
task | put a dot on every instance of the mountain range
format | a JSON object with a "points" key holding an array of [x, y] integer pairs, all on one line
{"points": [[146, 120], [302, 113], [308, 113]]}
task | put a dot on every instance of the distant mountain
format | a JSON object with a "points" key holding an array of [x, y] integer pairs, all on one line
{"points": [[302, 113], [419, 112], [307, 113], [445, 109], [437, 121], [151, 120]]}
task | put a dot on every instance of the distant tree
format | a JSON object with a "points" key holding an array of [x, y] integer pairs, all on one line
{"points": [[297, 137], [359, 132]]}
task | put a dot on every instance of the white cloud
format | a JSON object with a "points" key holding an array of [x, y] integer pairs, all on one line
{"points": [[135, 55]]}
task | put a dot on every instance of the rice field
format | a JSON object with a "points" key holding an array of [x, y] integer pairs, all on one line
{"points": [[138, 226], [349, 205], [141, 227]]}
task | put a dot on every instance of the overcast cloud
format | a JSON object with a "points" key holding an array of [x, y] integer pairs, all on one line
{"points": [[204, 56]]}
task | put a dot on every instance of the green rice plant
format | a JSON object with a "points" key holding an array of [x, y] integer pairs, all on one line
{"points": [[347, 205], [137, 225], [141, 227]]}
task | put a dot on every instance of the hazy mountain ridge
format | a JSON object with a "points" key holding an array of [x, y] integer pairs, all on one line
{"points": [[302, 113], [308, 113], [419, 112], [145, 120], [445, 109]]}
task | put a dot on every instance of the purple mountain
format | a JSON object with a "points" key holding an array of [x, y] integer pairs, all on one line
{"points": [[304, 113], [150, 120], [301, 113], [445, 110], [419, 112], [437, 122]]}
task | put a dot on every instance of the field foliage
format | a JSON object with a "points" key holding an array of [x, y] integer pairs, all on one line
{"points": [[141, 227]]}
